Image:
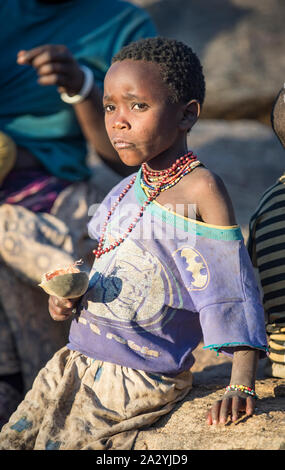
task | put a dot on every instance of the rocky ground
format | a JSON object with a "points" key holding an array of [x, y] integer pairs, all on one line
{"points": [[186, 429]]}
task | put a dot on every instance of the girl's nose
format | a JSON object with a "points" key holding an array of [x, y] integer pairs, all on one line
{"points": [[121, 123]]}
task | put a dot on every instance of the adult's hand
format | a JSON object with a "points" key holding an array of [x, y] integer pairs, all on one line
{"points": [[54, 65]]}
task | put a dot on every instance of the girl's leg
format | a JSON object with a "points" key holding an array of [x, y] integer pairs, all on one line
{"points": [[102, 406]]}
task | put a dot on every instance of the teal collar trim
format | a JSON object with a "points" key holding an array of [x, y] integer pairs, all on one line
{"points": [[215, 232]]}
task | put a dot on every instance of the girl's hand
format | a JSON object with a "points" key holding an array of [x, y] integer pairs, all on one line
{"points": [[232, 404], [60, 309], [54, 65]]}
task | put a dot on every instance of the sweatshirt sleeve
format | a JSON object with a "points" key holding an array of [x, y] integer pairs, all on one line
{"points": [[219, 276]]}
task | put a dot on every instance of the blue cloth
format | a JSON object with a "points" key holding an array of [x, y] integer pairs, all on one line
{"points": [[170, 284], [34, 115]]}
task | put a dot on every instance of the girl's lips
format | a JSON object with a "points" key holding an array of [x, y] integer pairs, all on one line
{"points": [[122, 144]]}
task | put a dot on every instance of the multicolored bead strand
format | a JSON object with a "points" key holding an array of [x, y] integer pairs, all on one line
{"points": [[170, 184], [183, 165], [242, 388]]}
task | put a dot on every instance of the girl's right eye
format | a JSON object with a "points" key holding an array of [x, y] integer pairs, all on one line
{"points": [[109, 108]]}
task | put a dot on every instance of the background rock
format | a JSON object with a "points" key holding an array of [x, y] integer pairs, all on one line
{"points": [[245, 154], [240, 44]]}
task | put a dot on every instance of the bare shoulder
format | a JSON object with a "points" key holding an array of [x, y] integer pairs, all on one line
{"points": [[213, 203], [203, 178], [205, 183]]}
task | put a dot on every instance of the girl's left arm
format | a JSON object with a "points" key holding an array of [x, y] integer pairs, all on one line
{"points": [[234, 402]]}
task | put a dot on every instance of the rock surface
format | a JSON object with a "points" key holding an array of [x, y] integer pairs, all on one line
{"points": [[240, 44], [185, 428], [245, 154]]}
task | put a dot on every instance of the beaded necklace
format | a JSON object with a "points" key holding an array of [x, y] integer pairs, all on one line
{"points": [[151, 179], [154, 181]]}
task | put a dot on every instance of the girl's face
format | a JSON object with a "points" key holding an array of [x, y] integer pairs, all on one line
{"points": [[141, 122]]}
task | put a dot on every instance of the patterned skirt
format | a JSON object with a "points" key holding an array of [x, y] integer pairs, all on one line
{"points": [[78, 403]]}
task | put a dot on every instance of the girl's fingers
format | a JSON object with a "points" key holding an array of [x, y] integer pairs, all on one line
{"points": [[58, 304], [213, 415], [225, 410], [60, 309], [60, 317], [233, 406], [250, 406], [237, 406], [54, 65]]}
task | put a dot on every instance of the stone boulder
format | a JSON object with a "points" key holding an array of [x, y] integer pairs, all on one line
{"points": [[240, 44], [245, 154]]}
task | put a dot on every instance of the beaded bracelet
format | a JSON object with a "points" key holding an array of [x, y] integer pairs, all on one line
{"points": [[242, 388]]}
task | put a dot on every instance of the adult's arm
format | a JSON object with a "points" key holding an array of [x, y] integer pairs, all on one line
{"points": [[55, 65]]}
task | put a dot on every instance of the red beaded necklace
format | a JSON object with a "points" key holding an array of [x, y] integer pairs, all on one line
{"points": [[152, 179], [156, 181]]}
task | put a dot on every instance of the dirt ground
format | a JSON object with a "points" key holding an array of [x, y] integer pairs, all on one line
{"points": [[186, 429]]}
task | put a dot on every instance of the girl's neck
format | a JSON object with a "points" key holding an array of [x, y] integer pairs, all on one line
{"points": [[164, 161]]}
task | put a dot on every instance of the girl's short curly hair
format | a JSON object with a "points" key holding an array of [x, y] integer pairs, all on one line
{"points": [[180, 67]]}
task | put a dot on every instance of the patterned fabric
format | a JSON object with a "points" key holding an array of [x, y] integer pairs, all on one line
{"points": [[31, 244], [78, 403], [266, 247], [170, 283], [35, 190]]}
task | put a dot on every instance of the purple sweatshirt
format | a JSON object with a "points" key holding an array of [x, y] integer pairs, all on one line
{"points": [[172, 283]]}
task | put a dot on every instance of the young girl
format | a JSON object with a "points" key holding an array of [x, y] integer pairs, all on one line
{"points": [[170, 269]]}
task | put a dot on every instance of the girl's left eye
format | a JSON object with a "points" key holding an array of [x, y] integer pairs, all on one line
{"points": [[140, 106]]}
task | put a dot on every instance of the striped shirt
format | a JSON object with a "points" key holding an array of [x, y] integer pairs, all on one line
{"points": [[266, 246]]}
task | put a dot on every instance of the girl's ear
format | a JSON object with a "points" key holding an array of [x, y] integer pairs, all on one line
{"points": [[191, 112]]}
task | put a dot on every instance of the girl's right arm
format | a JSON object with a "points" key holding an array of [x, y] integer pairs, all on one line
{"points": [[61, 309]]}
